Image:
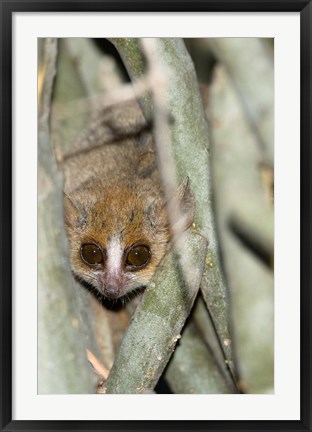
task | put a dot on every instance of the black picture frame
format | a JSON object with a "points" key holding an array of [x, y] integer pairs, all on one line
{"points": [[8, 7]]}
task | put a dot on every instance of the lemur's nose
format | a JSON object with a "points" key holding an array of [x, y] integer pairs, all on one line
{"points": [[111, 291]]}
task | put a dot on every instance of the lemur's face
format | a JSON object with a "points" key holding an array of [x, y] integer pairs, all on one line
{"points": [[117, 239]]}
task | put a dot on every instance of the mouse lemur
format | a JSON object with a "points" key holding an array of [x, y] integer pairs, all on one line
{"points": [[115, 213]]}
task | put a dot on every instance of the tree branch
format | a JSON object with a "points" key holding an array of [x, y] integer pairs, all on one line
{"points": [[250, 67], [156, 325], [189, 137], [62, 364], [238, 185]]}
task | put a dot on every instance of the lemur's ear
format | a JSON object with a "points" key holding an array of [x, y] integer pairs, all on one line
{"points": [[184, 197], [70, 211], [186, 200]]}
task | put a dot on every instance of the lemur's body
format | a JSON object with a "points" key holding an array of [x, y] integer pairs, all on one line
{"points": [[114, 209]]}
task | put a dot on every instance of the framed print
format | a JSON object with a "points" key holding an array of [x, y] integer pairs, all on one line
{"points": [[155, 202]]}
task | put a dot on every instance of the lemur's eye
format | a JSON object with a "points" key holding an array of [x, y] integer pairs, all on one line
{"points": [[138, 256], [91, 254]]}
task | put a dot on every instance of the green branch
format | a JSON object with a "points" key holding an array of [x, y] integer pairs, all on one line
{"points": [[189, 137]]}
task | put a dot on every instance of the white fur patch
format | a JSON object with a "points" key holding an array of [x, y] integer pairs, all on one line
{"points": [[114, 256]]}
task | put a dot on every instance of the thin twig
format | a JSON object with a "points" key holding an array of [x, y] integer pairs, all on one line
{"points": [[97, 365], [157, 78]]}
